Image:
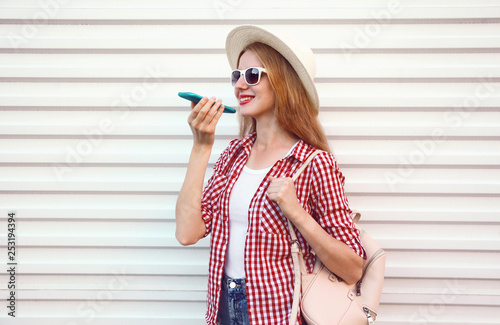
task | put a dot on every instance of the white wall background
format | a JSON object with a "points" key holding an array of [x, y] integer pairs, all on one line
{"points": [[94, 145]]}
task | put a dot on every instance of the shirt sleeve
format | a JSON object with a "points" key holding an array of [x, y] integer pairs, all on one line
{"points": [[214, 187], [330, 204]]}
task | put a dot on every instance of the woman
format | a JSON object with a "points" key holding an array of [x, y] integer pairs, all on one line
{"points": [[247, 201]]}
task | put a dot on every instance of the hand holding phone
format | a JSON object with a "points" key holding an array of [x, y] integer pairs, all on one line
{"points": [[196, 98]]}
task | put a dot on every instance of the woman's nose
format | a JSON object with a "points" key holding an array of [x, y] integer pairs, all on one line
{"points": [[241, 84]]}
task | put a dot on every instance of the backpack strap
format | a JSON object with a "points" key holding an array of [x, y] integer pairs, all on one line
{"points": [[298, 259], [305, 164]]}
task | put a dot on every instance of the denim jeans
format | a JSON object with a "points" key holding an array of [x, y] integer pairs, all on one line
{"points": [[233, 309]]}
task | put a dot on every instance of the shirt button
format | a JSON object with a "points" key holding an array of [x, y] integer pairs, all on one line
{"points": [[232, 285]]}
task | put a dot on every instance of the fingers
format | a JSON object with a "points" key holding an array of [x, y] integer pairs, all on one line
{"points": [[203, 119], [280, 188], [203, 103], [206, 110], [282, 192], [218, 113]]}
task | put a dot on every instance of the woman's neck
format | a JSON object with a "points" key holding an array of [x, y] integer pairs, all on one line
{"points": [[270, 134], [272, 143]]}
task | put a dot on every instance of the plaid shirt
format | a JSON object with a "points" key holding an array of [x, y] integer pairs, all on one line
{"points": [[268, 259]]}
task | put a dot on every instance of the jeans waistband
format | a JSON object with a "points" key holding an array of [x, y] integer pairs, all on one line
{"points": [[230, 283]]}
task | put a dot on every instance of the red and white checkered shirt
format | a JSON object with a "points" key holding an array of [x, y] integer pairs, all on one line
{"points": [[268, 259]]}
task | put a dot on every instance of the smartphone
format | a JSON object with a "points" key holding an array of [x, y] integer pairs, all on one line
{"points": [[196, 98]]}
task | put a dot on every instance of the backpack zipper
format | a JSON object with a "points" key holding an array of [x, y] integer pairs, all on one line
{"points": [[369, 313], [372, 260]]}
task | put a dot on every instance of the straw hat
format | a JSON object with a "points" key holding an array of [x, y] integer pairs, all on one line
{"points": [[297, 53]]}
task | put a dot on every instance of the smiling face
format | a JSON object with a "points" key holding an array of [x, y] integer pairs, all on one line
{"points": [[258, 100]]}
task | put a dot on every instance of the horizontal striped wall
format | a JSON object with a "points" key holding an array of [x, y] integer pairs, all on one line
{"points": [[94, 146]]}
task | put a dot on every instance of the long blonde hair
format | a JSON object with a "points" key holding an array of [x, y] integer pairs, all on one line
{"points": [[294, 108]]}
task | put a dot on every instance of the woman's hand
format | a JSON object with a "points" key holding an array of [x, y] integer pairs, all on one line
{"points": [[335, 255], [203, 120], [282, 191]]}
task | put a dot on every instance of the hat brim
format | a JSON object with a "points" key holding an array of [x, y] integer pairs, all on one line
{"points": [[287, 45]]}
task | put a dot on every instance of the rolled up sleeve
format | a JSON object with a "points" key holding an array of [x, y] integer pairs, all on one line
{"points": [[330, 204]]}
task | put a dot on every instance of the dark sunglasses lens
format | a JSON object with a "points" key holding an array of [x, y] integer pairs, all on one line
{"points": [[235, 76], [252, 76]]}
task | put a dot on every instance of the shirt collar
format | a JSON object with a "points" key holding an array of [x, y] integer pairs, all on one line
{"points": [[248, 141], [301, 151]]}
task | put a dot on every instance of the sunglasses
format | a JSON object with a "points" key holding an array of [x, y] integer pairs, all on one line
{"points": [[251, 75]]}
